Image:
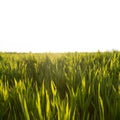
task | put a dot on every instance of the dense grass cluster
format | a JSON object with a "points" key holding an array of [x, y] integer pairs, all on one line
{"points": [[68, 86]]}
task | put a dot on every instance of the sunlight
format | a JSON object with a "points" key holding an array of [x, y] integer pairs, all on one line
{"points": [[59, 26]]}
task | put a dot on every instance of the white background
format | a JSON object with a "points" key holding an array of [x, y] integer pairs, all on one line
{"points": [[59, 25]]}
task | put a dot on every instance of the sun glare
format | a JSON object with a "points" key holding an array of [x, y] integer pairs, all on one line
{"points": [[59, 26]]}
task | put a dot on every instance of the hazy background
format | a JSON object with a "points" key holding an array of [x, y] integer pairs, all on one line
{"points": [[59, 25]]}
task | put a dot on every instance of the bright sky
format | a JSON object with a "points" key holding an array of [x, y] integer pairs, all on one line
{"points": [[59, 25]]}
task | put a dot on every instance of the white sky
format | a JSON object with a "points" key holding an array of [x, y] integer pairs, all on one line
{"points": [[59, 25]]}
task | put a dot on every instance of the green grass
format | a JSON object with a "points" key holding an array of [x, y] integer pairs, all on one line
{"points": [[66, 86]]}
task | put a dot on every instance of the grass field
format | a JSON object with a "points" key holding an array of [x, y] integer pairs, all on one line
{"points": [[66, 86]]}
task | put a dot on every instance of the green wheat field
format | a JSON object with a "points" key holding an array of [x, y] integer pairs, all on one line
{"points": [[60, 86]]}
